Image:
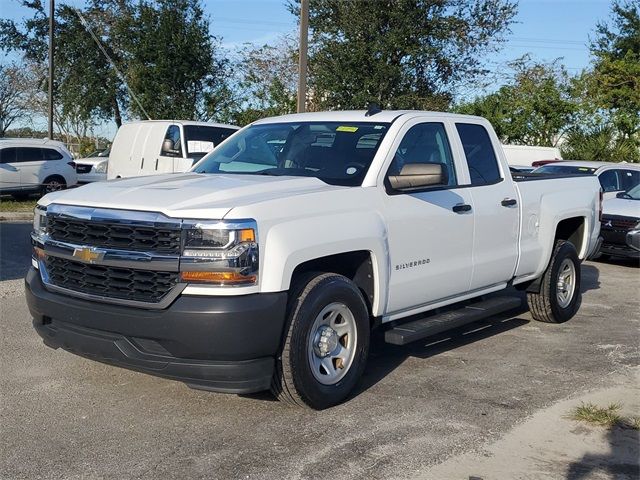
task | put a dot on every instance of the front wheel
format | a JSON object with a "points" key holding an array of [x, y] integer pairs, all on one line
{"points": [[559, 297], [326, 345]]}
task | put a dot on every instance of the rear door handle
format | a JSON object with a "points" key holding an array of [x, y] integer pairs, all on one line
{"points": [[462, 208], [509, 202]]}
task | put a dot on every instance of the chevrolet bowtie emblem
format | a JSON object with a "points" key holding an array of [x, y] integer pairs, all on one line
{"points": [[88, 254], [608, 224]]}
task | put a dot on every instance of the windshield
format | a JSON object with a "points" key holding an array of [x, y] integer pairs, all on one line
{"points": [[565, 170], [200, 139], [633, 194], [336, 153]]}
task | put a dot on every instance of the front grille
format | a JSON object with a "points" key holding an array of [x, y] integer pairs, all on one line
{"points": [[618, 222], [114, 235], [83, 168], [114, 282]]}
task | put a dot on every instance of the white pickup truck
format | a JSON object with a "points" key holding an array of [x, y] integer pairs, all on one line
{"points": [[267, 265]]}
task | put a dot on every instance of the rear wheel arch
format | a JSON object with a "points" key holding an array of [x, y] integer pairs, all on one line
{"points": [[572, 230]]}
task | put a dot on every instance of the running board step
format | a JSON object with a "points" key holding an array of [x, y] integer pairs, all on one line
{"points": [[427, 327]]}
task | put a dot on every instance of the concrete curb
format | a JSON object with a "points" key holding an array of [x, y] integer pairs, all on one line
{"points": [[16, 216]]}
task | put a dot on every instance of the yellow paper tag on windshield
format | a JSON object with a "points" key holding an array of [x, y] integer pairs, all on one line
{"points": [[346, 128]]}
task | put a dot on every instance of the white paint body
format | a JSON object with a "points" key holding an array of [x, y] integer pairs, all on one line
{"points": [[137, 148], [301, 219], [525, 155]]}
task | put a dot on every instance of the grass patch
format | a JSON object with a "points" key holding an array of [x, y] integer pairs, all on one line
{"points": [[604, 416], [10, 205]]}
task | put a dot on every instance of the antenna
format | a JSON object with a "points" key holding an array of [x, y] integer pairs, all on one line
{"points": [[372, 109], [86, 25]]}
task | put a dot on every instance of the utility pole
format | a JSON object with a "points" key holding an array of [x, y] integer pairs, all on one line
{"points": [[51, 52], [302, 64]]}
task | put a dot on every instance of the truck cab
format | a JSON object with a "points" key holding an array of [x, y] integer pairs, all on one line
{"points": [[267, 265]]}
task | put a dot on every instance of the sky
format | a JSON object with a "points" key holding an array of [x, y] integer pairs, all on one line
{"points": [[545, 29]]}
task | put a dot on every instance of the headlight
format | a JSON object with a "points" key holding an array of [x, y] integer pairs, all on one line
{"points": [[101, 167], [40, 221], [222, 253]]}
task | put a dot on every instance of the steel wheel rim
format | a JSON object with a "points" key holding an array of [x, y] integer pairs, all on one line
{"points": [[332, 343], [566, 285]]}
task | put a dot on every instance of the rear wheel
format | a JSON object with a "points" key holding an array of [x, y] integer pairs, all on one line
{"points": [[559, 297], [53, 184], [326, 344]]}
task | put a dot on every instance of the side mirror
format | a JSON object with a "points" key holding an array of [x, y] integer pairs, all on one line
{"points": [[419, 175], [622, 195]]}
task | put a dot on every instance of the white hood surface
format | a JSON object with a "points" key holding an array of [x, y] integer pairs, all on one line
{"points": [[621, 206], [187, 195]]}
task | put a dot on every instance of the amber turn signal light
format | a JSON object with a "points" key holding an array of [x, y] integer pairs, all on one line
{"points": [[220, 278]]}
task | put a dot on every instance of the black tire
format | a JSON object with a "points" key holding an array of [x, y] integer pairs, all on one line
{"points": [[546, 306], [53, 184], [294, 381]]}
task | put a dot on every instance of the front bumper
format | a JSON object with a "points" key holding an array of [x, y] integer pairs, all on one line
{"points": [[622, 244], [224, 344], [91, 177]]}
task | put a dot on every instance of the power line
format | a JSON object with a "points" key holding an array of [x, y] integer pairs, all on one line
{"points": [[87, 27]]}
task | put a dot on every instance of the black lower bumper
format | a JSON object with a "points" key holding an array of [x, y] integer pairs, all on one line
{"points": [[226, 344]]}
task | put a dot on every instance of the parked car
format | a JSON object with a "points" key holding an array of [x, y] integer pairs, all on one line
{"points": [[613, 177], [30, 165], [150, 147], [267, 265], [93, 167], [620, 228]]}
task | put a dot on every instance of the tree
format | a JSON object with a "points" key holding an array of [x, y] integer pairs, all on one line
{"points": [[535, 108], [161, 48], [399, 53], [614, 84], [171, 58], [266, 80], [14, 91], [601, 143]]}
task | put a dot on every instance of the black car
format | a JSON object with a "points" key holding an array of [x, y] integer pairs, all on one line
{"points": [[620, 227]]}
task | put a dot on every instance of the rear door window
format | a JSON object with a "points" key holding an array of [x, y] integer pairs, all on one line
{"points": [[29, 154], [478, 150], [51, 154]]}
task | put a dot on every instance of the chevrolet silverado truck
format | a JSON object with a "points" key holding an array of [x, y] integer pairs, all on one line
{"points": [[268, 264]]}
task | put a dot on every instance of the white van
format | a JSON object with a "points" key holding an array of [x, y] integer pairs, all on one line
{"points": [[151, 147], [525, 155]]}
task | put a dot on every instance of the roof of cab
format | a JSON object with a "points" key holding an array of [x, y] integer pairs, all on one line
{"points": [[383, 116]]}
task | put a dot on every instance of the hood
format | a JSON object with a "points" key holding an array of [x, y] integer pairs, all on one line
{"points": [[187, 195], [621, 206], [91, 160]]}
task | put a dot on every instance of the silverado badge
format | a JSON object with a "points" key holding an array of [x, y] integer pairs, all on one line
{"points": [[88, 254]]}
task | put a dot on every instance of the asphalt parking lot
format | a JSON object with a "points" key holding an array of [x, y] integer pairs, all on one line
{"points": [[62, 416]]}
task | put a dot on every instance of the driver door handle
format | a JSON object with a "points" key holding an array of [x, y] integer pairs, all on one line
{"points": [[509, 202], [462, 208]]}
